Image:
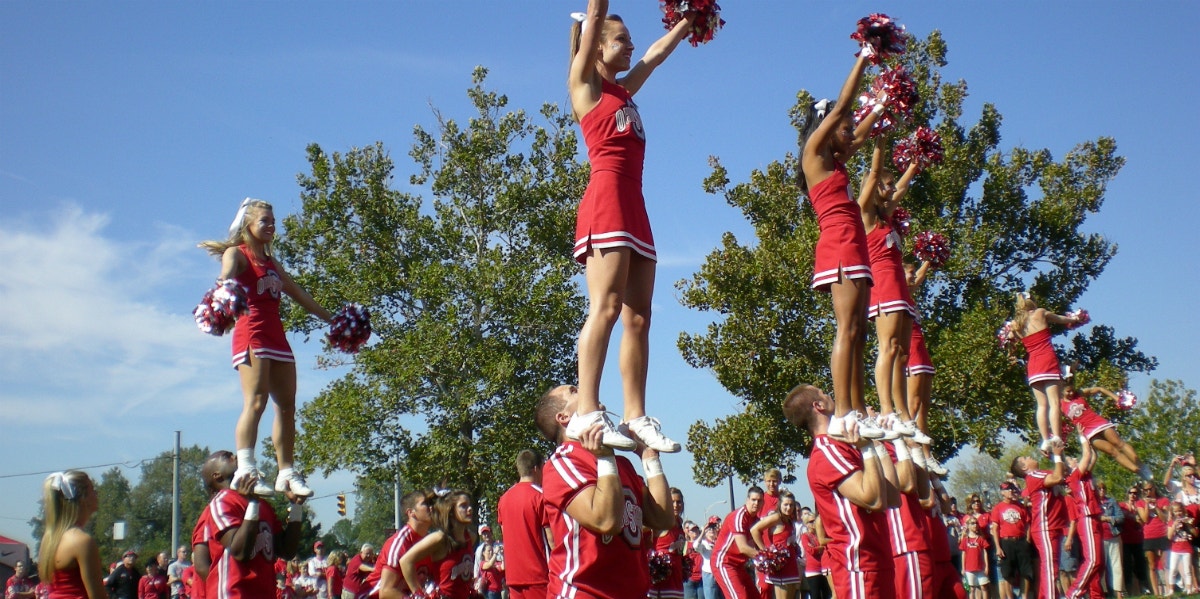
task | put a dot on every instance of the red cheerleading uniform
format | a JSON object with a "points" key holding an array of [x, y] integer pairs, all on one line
{"points": [[672, 587], [1042, 362], [728, 562], [231, 578], [1077, 410], [522, 515], [919, 361], [456, 571], [1088, 527], [1049, 526], [947, 580], [68, 584], [785, 539], [202, 534], [613, 210], [389, 559], [842, 246], [890, 291], [585, 564], [814, 554], [858, 551], [260, 331]]}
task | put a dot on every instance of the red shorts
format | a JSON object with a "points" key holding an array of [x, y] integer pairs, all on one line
{"points": [[613, 214]]}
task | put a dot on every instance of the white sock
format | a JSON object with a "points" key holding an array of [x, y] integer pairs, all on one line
{"points": [[245, 459], [284, 473]]}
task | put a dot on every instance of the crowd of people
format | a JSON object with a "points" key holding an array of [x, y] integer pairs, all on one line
{"points": [[582, 522]]}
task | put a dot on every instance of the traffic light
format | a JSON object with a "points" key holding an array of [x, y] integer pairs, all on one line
{"points": [[341, 504]]}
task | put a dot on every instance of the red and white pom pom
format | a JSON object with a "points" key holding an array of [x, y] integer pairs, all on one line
{"points": [[901, 220], [885, 36], [704, 27], [901, 96], [1126, 399], [882, 125], [222, 305], [1005, 335], [1080, 318], [924, 146], [932, 248], [660, 566], [350, 329], [772, 559]]}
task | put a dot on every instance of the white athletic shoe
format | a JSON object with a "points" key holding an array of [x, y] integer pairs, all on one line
{"points": [[917, 435], [290, 479], [649, 430], [935, 466], [260, 489], [887, 424], [867, 427], [612, 437]]}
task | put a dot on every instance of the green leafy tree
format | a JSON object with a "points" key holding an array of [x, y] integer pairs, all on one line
{"points": [[1013, 219], [982, 473], [374, 511], [150, 499], [114, 494], [471, 293], [1162, 425]]}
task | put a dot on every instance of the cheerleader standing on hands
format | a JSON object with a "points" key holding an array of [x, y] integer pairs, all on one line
{"points": [[261, 353], [1030, 325], [842, 266], [919, 371], [612, 230], [891, 305]]}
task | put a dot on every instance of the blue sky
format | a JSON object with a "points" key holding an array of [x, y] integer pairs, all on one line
{"points": [[131, 130]]}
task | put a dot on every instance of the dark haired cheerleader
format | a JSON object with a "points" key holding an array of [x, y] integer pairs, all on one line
{"points": [[842, 266]]}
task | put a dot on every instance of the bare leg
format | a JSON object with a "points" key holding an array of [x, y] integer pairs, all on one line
{"points": [[850, 297], [920, 387], [894, 330], [1105, 443], [255, 377], [635, 338], [283, 391], [607, 273], [1053, 390], [1043, 422]]}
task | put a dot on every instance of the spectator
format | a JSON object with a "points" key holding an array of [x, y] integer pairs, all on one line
{"points": [[316, 566], [122, 582], [154, 584], [175, 571], [1137, 574], [20, 585], [1010, 535], [360, 566], [1112, 519], [335, 574], [1153, 511]]}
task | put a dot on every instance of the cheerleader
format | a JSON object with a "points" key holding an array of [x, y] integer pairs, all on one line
{"points": [[449, 547], [69, 558], [1098, 431], [781, 526], [1031, 324], [919, 370], [842, 266], [612, 230], [261, 353], [891, 305]]}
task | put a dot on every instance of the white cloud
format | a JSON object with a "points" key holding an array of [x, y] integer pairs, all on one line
{"points": [[85, 335]]}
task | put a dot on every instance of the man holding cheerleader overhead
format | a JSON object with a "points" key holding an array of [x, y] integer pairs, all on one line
{"points": [[612, 231]]}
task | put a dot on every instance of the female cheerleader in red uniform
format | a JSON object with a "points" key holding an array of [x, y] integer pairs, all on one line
{"points": [[781, 524], [842, 265], [1031, 324], [1101, 433], [69, 559], [891, 305], [261, 353], [612, 230], [920, 370], [450, 545]]}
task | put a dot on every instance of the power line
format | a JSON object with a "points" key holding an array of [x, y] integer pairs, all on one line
{"points": [[128, 464]]}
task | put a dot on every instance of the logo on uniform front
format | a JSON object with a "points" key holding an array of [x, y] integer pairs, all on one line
{"points": [[628, 117], [1074, 411], [270, 283]]}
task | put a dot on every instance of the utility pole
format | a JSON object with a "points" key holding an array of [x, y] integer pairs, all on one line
{"points": [[175, 498]]}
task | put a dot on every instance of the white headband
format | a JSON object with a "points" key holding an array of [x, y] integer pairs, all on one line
{"points": [[582, 18], [821, 107], [59, 482], [236, 226]]}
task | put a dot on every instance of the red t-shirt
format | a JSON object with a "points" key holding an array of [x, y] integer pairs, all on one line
{"points": [[1131, 529], [1083, 493], [334, 578], [584, 564], [1048, 511], [974, 550], [523, 518], [769, 503], [858, 538], [230, 578], [389, 559], [355, 580], [1011, 519], [1155, 527], [983, 519]]}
